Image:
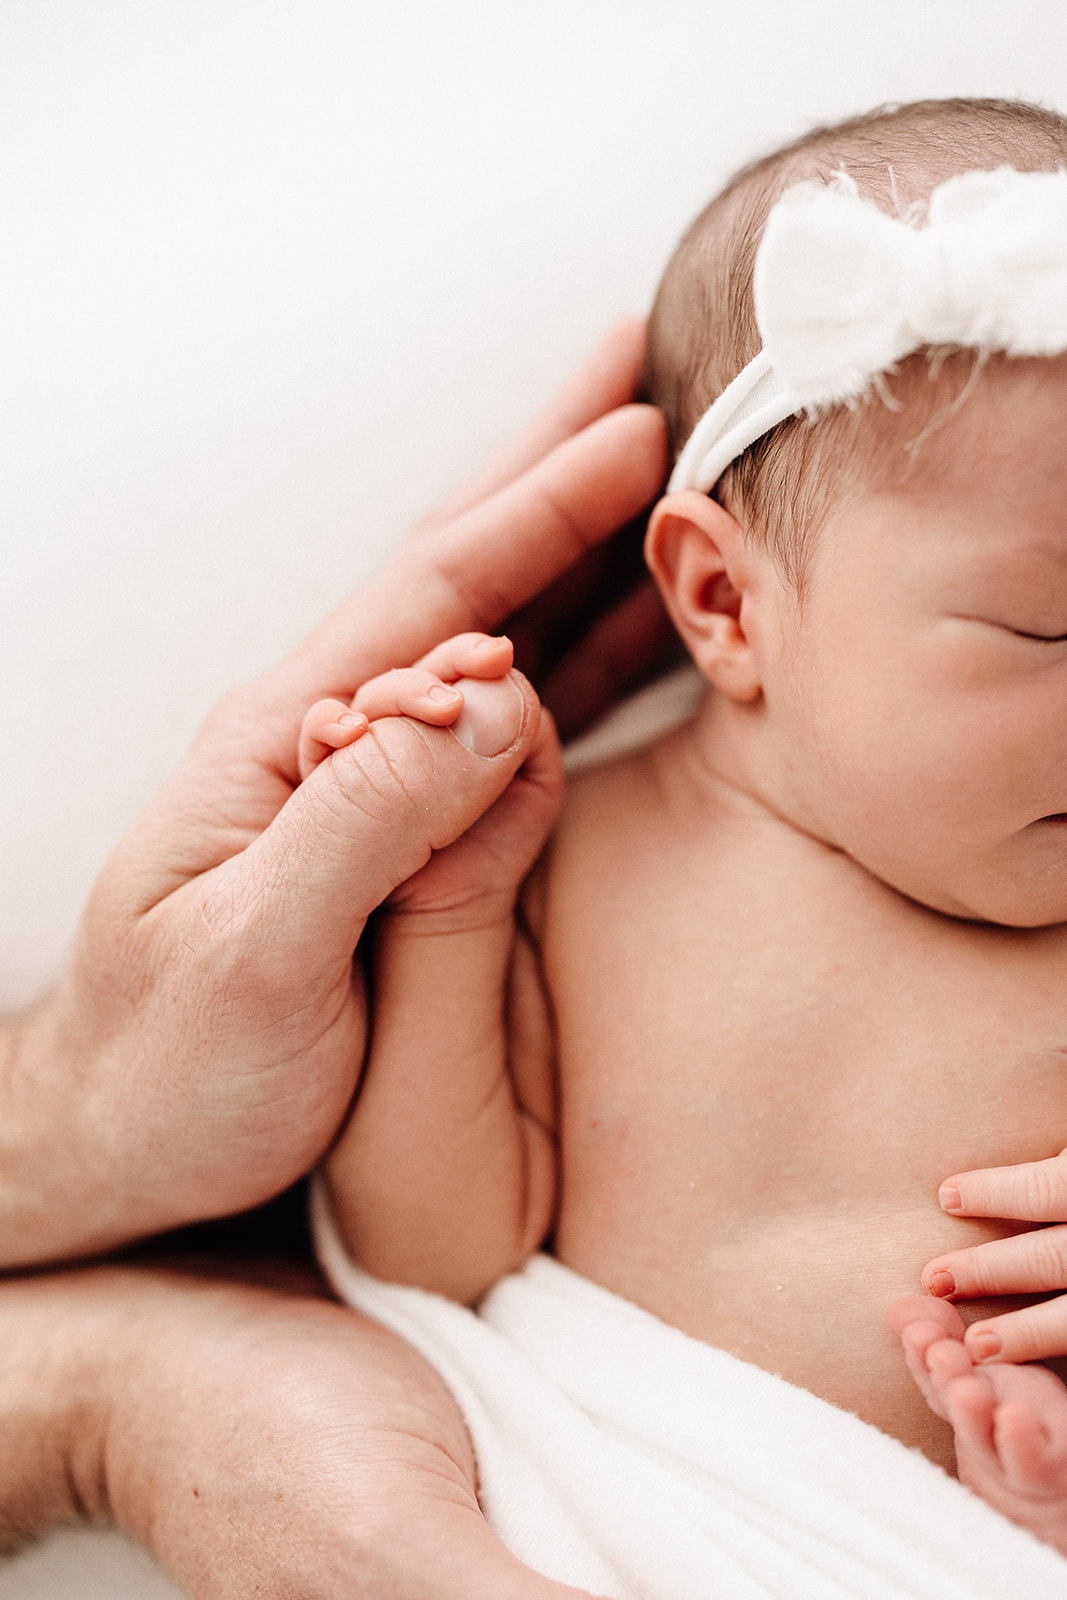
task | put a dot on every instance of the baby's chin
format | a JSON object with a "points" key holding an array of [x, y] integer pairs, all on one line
{"points": [[1009, 907], [1023, 888]]}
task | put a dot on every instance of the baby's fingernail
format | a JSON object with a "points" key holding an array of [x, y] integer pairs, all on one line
{"points": [[491, 719], [491, 644], [941, 1282], [440, 693], [352, 719], [984, 1344], [949, 1197]]}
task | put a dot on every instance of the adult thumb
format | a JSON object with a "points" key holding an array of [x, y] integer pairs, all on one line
{"points": [[370, 816]]}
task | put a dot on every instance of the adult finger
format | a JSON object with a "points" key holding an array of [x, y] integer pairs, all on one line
{"points": [[469, 1563], [1027, 1263], [487, 563], [1034, 1333], [607, 379], [1033, 1191], [364, 822], [619, 653]]}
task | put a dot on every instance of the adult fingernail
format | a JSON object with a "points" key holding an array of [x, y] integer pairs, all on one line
{"points": [[941, 1282], [949, 1197], [983, 1344], [491, 719]]}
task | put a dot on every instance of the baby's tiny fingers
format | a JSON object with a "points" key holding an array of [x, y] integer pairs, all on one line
{"points": [[329, 725], [470, 655], [1027, 1263], [410, 692], [1034, 1191], [1035, 1333]]}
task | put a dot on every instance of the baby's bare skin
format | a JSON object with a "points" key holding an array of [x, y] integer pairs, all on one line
{"points": [[752, 1144], [805, 957]]}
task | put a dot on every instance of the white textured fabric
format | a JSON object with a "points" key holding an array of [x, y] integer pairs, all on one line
{"points": [[842, 292], [619, 1455]]}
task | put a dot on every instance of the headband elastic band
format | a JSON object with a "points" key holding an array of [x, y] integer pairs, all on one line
{"points": [[843, 292]]}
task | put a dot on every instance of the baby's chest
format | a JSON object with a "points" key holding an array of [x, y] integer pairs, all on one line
{"points": [[876, 1050]]}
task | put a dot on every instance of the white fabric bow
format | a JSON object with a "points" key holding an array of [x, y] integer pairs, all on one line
{"points": [[843, 291]]}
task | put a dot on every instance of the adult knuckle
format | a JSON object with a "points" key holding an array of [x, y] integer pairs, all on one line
{"points": [[383, 776], [1043, 1188], [1048, 1255], [1022, 1338], [978, 1274], [488, 597]]}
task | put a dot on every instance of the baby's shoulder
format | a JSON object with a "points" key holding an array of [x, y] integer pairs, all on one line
{"points": [[605, 803], [608, 845]]}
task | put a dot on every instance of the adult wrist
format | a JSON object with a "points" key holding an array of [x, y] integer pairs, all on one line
{"points": [[56, 1338], [62, 1193]]}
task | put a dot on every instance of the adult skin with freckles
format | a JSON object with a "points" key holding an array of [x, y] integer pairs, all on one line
{"points": [[207, 1042], [219, 937]]}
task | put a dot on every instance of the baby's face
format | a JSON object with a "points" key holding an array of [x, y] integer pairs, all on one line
{"points": [[923, 680]]}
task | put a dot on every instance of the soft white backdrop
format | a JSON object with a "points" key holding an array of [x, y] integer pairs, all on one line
{"points": [[273, 272]]}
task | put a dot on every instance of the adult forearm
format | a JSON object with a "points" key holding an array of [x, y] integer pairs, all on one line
{"points": [[59, 1193], [261, 1439]]}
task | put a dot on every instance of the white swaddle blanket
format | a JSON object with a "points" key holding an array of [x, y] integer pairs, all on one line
{"points": [[618, 1454]]}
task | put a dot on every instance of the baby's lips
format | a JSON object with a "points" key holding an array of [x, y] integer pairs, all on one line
{"points": [[492, 715]]}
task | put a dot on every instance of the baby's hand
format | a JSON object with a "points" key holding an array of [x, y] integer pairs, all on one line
{"points": [[426, 691], [488, 863], [1034, 1262]]}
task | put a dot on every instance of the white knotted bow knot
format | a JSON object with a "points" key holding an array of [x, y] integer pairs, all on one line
{"points": [[843, 292]]}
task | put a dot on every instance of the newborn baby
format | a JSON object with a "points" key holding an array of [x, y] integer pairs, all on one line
{"points": [[778, 974]]}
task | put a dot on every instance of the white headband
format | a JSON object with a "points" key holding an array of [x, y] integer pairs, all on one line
{"points": [[842, 292]]}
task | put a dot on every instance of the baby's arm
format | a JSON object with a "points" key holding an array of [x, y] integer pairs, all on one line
{"points": [[445, 1174]]}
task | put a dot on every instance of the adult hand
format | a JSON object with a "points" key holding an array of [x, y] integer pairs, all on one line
{"points": [[205, 1047], [1033, 1262], [257, 1439]]}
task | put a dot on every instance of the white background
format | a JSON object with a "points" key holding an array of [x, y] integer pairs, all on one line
{"points": [[273, 272]]}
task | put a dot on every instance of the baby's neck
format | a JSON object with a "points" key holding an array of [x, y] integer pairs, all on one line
{"points": [[729, 756]]}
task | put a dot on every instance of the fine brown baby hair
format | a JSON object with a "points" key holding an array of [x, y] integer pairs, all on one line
{"points": [[702, 329]]}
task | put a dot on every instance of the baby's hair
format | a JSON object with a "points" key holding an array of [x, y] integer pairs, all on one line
{"points": [[702, 330]]}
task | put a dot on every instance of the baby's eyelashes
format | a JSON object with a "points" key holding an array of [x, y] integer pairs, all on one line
{"points": [[1038, 635], [1042, 638]]}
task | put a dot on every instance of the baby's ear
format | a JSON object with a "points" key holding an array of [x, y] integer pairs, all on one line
{"points": [[698, 557]]}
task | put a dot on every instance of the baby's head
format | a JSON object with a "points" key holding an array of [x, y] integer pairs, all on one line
{"points": [[877, 590]]}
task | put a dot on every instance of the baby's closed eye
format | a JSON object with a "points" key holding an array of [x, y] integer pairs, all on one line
{"points": [[1041, 638], [1046, 634]]}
